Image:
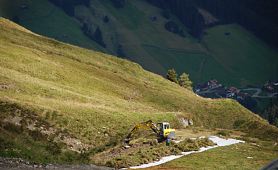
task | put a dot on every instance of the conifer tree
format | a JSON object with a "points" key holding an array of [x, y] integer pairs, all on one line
{"points": [[184, 81], [172, 75]]}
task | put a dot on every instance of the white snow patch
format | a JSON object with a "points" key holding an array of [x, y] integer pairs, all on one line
{"points": [[224, 142], [217, 140]]}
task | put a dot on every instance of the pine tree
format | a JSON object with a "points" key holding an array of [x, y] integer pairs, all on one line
{"points": [[172, 75], [98, 37], [184, 81]]}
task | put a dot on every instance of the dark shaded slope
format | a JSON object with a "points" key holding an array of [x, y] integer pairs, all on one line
{"points": [[69, 5], [260, 16]]}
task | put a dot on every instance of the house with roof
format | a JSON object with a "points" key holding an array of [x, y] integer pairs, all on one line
{"points": [[271, 87]]}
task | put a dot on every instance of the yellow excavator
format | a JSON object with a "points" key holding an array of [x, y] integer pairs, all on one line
{"points": [[162, 130]]}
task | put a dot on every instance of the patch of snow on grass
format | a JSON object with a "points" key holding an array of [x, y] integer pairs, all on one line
{"points": [[217, 140]]}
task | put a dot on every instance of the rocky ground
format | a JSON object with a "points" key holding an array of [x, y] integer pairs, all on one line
{"points": [[19, 164]]}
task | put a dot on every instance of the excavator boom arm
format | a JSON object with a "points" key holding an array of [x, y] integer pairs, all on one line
{"points": [[144, 125]]}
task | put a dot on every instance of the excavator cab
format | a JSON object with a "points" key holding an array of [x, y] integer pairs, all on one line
{"points": [[165, 130]]}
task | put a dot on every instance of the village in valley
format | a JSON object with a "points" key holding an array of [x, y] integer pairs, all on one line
{"points": [[245, 96]]}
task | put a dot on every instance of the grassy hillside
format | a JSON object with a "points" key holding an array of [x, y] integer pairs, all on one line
{"points": [[245, 58], [55, 95], [233, 59], [46, 19]]}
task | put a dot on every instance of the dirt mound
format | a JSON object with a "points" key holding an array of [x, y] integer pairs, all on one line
{"points": [[142, 151]]}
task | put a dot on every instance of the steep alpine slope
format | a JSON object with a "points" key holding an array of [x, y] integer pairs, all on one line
{"points": [[156, 38], [56, 99]]}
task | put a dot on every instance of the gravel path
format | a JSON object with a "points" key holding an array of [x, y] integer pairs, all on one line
{"points": [[20, 164]]}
